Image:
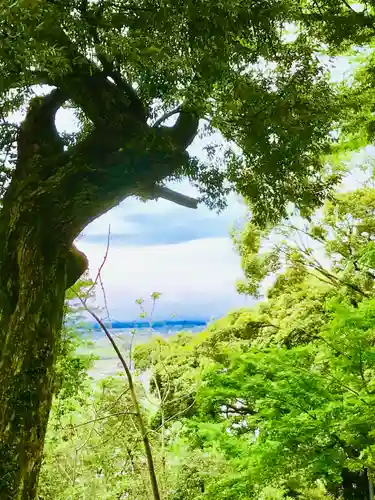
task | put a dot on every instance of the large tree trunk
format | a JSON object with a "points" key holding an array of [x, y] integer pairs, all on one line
{"points": [[34, 273], [31, 333], [54, 193]]}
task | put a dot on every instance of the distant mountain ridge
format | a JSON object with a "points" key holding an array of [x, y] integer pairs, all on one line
{"points": [[156, 325]]}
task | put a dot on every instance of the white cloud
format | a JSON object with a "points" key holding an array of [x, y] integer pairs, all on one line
{"points": [[196, 278], [115, 219]]}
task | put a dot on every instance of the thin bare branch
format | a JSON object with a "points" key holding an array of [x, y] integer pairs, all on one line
{"points": [[181, 412], [98, 274], [102, 418], [118, 399], [104, 296], [138, 414]]}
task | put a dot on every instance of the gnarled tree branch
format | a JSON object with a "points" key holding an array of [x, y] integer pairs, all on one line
{"points": [[104, 102], [121, 157], [38, 135], [109, 66]]}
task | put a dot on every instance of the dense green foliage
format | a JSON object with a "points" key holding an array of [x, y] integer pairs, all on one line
{"points": [[272, 402], [231, 64], [256, 74]]}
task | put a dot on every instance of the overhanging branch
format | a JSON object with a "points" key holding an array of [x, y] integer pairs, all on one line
{"points": [[122, 156], [173, 196]]}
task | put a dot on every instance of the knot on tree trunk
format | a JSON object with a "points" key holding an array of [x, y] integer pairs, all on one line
{"points": [[76, 265]]}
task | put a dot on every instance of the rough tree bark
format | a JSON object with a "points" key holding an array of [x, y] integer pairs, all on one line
{"points": [[54, 193]]}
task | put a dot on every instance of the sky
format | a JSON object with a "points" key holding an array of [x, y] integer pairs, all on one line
{"points": [[186, 255]]}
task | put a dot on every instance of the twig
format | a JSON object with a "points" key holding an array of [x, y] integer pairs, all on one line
{"points": [[131, 349], [339, 382], [104, 296], [113, 435], [361, 371], [184, 410], [144, 433], [102, 418], [137, 413], [98, 274], [318, 7], [118, 399], [334, 348]]}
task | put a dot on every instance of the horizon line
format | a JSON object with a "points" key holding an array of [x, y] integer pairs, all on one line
{"points": [[155, 323]]}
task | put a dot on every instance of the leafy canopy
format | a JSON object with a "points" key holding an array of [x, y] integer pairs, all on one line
{"points": [[229, 63], [276, 401]]}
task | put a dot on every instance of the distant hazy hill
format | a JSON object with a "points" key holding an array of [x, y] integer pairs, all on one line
{"points": [[108, 363], [156, 325], [166, 327]]}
